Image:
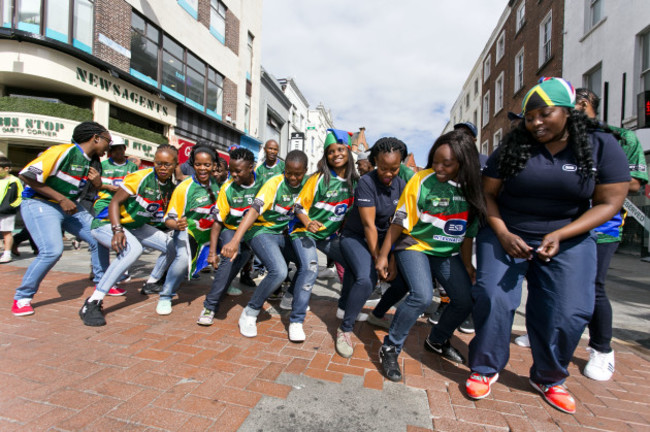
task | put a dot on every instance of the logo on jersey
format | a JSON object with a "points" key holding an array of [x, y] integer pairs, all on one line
{"points": [[214, 211], [440, 202], [340, 209], [151, 208], [569, 168], [117, 182], [455, 227]]}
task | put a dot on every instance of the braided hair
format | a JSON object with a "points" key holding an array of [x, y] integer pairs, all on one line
{"points": [[387, 145], [168, 148], [242, 154], [204, 149], [86, 130]]}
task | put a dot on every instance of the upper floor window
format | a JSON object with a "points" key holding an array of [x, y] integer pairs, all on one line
{"points": [[545, 30], [645, 61], [218, 20], [487, 67], [501, 46], [519, 70], [191, 6], [467, 100], [476, 87], [145, 44], [486, 108], [497, 139], [249, 46], [521, 16], [594, 13], [593, 80], [498, 94]]}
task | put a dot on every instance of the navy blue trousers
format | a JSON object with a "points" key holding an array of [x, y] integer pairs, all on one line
{"points": [[560, 304]]}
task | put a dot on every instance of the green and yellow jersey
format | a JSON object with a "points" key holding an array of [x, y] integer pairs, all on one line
{"points": [[433, 215], [234, 200], [265, 172]]}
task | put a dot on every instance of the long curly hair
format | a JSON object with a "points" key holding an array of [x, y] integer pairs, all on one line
{"points": [[518, 144], [469, 170]]}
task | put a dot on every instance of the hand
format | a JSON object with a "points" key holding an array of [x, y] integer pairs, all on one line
{"points": [[471, 271], [515, 246], [93, 174], [314, 226], [112, 188], [181, 224], [118, 244], [392, 268], [213, 259], [549, 248], [381, 265], [68, 206], [230, 250]]}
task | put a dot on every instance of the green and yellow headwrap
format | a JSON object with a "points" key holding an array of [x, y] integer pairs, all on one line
{"points": [[337, 136], [549, 92]]}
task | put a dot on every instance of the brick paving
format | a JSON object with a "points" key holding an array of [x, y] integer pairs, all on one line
{"points": [[144, 372]]}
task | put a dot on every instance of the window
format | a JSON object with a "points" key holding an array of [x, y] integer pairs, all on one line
{"points": [[57, 17], [247, 114], [501, 46], [82, 30], [545, 29], [29, 16], [475, 117], [497, 139], [519, 70], [195, 82], [521, 16], [498, 94], [191, 7], [218, 20], [145, 43], [249, 72], [6, 13], [593, 80], [173, 69], [486, 108], [645, 61], [460, 111], [485, 147], [467, 100], [215, 94], [476, 87], [594, 13], [487, 67]]}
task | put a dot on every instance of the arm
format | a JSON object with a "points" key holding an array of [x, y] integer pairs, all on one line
{"points": [[118, 242], [67, 205], [514, 245], [179, 224], [466, 255], [367, 215], [634, 186], [95, 178], [213, 258], [381, 264], [231, 249], [606, 202], [312, 226]]}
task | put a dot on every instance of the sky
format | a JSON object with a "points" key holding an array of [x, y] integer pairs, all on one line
{"points": [[395, 68]]}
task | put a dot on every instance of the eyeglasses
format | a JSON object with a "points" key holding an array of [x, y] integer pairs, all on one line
{"points": [[109, 141], [164, 164]]}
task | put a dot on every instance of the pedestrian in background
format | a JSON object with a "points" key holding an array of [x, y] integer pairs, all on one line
{"points": [[11, 190]]}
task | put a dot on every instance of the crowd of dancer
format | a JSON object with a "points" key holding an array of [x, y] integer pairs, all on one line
{"points": [[531, 211]]}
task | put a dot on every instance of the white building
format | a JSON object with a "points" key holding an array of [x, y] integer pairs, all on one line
{"points": [[297, 116], [320, 119]]}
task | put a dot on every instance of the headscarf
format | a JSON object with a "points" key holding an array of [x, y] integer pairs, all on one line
{"points": [[549, 92]]}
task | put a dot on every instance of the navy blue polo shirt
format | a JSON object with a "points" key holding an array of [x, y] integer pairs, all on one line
{"points": [[549, 193], [370, 192]]}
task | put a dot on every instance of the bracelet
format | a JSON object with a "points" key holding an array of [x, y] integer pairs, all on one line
{"points": [[117, 228]]}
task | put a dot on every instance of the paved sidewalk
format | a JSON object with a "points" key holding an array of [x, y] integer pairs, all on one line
{"points": [[146, 372]]}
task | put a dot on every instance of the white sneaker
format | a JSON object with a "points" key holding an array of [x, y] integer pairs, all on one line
{"points": [[287, 301], [164, 307], [600, 366], [247, 324], [523, 341], [327, 273], [5, 258], [296, 333], [340, 314]]}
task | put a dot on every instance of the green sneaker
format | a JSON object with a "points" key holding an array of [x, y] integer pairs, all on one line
{"points": [[233, 291]]}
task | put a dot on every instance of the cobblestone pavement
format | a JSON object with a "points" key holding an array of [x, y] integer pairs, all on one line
{"points": [[151, 373]]}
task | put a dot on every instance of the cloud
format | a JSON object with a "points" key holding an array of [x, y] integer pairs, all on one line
{"points": [[394, 67]]}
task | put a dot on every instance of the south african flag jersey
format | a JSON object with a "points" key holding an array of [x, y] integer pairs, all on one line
{"points": [[327, 204], [113, 175], [434, 216], [146, 204], [234, 200], [274, 202], [62, 167], [264, 172], [197, 203]]}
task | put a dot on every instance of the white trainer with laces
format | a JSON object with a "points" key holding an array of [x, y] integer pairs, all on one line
{"points": [[600, 366], [523, 341], [296, 333], [340, 314], [247, 323]]}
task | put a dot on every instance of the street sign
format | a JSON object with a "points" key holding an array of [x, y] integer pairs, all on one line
{"points": [[297, 140], [637, 214]]}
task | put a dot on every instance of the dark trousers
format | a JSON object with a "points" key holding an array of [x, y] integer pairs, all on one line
{"points": [[560, 304], [600, 326]]}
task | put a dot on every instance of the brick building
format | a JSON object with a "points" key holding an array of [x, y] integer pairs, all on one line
{"points": [[528, 46], [151, 71]]}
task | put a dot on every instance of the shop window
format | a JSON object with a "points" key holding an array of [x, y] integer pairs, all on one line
{"points": [[145, 42], [218, 20]]}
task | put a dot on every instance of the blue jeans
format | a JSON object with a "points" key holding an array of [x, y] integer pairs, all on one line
{"points": [[559, 306], [306, 250], [136, 240], [226, 271], [179, 266], [44, 221], [418, 270], [274, 250]]}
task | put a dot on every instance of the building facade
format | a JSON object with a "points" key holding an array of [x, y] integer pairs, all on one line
{"points": [[274, 113], [150, 71], [319, 120], [298, 114], [607, 49]]}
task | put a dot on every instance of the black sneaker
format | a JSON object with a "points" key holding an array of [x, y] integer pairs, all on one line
{"points": [[444, 350], [150, 288], [435, 317], [388, 359], [467, 326], [91, 313], [246, 279]]}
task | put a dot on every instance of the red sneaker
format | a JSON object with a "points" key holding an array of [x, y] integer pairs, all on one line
{"points": [[478, 386], [116, 291], [22, 307], [557, 396]]}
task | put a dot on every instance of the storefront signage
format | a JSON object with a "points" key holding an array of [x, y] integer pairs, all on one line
{"points": [[117, 90], [33, 126], [296, 141]]}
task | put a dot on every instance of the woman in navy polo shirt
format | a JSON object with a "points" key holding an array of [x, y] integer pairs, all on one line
{"points": [[553, 179]]}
